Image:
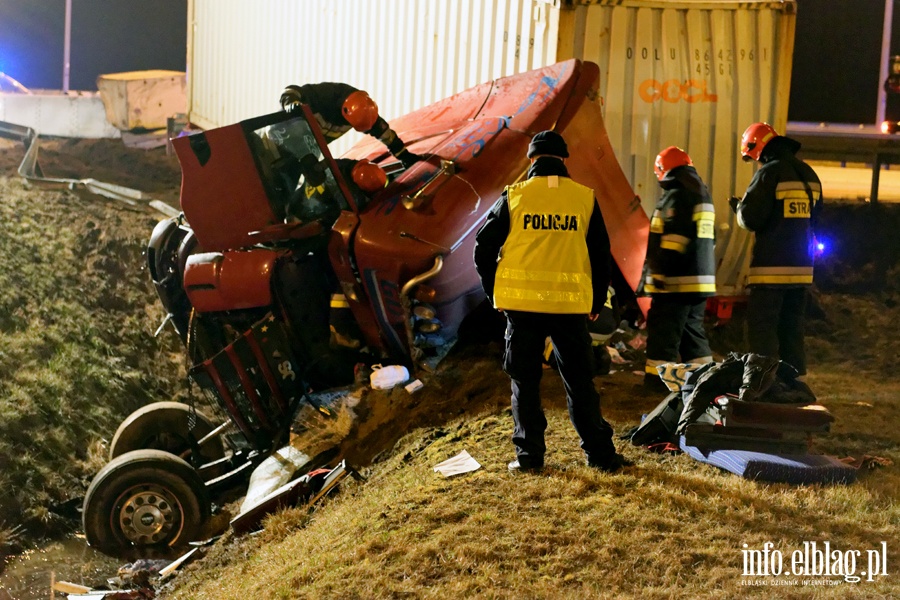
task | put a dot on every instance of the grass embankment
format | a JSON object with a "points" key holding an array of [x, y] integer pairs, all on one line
{"points": [[667, 527], [77, 352]]}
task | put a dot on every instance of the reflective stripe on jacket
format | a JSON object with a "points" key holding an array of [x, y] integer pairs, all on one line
{"points": [[779, 210], [681, 245], [544, 264]]}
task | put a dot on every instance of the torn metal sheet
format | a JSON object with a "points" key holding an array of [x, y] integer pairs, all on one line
{"points": [[179, 562], [8, 84], [156, 138], [308, 489], [30, 170], [164, 208]]}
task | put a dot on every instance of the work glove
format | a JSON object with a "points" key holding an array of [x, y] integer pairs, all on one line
{"points": [[408, 159], [290, 98], [313, 170], [733, 203]]}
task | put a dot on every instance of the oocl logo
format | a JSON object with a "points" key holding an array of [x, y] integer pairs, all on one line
{"points": [[673, 90]]}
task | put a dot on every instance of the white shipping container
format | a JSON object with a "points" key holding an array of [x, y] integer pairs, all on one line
{"points": [[690, 73], [405, 53], [693, 74]]}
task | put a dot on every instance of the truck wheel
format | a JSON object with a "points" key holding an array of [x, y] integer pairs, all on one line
{"points": [[143, 499], [166, 426]]}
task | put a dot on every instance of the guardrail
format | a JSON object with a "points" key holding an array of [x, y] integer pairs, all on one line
{"points": [[847, 143]]}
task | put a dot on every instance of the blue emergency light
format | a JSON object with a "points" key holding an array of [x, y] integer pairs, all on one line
{"points": [[819, 247]]}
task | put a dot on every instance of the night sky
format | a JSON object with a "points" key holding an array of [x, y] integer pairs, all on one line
{"points": [[837, 57], [837, 51], [108, 36]]}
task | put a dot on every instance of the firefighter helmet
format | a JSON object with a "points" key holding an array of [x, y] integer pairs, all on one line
{"points": [[368, 176], [668, 159], [755, 139], [360, 111]]}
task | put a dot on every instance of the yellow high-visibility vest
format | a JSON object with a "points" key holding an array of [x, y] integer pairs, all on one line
{"points": [[544, 264]]}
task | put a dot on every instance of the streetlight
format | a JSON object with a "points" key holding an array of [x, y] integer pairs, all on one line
{"points": [[66, 47]]}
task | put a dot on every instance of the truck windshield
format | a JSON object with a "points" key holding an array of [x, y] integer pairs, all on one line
{"points": [[300, 179]]}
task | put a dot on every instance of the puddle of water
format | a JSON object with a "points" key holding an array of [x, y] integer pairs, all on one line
{"points": [[28, 576]]}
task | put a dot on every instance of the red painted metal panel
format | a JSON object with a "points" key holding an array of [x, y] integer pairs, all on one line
{"points": [[247, 386], [485, 131], [222, 195], [217, 281]]}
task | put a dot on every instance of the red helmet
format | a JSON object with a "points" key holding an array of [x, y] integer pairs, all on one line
{"points": [[368, 176], [755, 139], [668, 159], [360, 111]]}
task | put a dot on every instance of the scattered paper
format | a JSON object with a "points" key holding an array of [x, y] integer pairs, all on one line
{"points": [[461, 463]]}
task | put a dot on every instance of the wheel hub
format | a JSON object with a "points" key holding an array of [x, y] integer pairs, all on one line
{"points": [[148, 515]]}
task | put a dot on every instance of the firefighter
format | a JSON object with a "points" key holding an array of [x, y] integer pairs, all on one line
{"points": [[338, 107], [680, 269], [780, 207], [315, 198], [544, 260]]}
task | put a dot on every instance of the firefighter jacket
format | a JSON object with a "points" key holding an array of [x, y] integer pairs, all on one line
{"points": [[681, 246], [544, 246], [326, 101], [780, 206]]}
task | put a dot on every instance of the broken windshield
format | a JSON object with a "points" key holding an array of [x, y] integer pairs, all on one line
{"points": [[299, 177]]}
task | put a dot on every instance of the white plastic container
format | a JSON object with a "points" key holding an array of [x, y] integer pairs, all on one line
{"points": [[384, 378]]}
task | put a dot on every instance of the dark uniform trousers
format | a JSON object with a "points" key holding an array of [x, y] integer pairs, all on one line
{"points": [[675, 327], [785, 307], [526, 333]]}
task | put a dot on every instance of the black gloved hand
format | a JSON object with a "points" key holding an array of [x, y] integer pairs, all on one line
{"points": [[733, 203], [290, 97], [313, 170], [408, 159]]}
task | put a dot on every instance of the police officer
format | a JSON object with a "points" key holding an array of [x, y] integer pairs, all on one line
{"points": [[544, 260], [338, 107], [680, 268], [780, 207]]}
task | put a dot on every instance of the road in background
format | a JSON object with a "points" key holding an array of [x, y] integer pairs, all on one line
{"points": [[854, 181]]}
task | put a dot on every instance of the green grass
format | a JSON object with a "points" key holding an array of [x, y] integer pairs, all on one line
{"points": [[668, 527], [77, 352]]}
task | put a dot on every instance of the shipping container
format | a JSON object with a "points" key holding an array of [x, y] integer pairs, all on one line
{"points": [[690, 73], [405, 53], [693, 74]]}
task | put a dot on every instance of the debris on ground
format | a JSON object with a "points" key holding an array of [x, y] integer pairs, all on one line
{"points": [[749, 415], [459, 464]]}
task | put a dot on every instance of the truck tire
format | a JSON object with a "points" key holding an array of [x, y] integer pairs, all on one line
{"points": [[144, 499], [166, 426]]}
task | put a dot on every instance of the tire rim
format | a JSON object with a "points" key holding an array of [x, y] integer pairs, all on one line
{"points": [[149, 514]]}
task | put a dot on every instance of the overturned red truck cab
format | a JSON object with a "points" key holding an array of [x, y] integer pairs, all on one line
{"points": [[283, 272]]}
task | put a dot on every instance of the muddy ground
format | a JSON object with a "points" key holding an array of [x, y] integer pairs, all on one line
{"points": [[852, 325]]}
